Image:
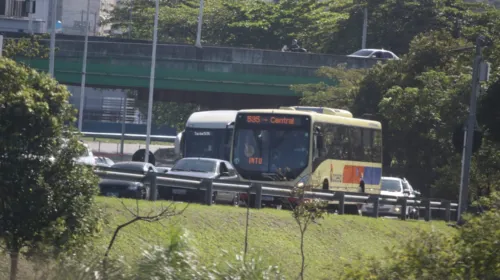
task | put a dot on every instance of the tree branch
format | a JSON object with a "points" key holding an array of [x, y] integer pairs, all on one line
{"points": [[163, 214]]}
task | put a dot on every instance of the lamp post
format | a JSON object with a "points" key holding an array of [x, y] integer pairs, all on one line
{"points": [[152, 82]]}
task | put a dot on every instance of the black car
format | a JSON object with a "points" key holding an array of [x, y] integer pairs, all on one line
{"points": [[201, 168], [127, 189]]}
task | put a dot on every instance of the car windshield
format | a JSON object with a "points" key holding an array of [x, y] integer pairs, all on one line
{"points": [[207, 143], [363, 53], [195, 165], [271, 154], [391, 185]]}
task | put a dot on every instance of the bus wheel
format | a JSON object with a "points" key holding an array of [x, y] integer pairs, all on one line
{"points": [[326, 186]]}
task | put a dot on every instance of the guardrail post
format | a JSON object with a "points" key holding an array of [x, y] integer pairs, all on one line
{"points": [[404, 204], [207, 184], [447, 210], [427, 204], [258, 194], [341, 203], [153, 187], [376, 203]]}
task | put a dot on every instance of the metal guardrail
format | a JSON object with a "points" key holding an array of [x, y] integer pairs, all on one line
{"points": [[259, 190], [128, 136]]}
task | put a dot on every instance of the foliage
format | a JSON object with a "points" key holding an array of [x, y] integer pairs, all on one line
{"points": [[393, 24], [341, 95], [47, 199], [252, 23], [470, 254], [170, 113], [304, 212], [179, 260], [26, 47]]}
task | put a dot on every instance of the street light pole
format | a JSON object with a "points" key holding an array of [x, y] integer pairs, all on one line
{"points": [[152, 82], [30, 16], [469, 131], [53, 39], [84, 70]]}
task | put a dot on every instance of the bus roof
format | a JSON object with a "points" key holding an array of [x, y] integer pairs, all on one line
{"points": [[315, 116], [211, 119], [323, 110]]}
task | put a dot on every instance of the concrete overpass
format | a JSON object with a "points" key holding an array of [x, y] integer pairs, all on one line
{"points": [[217, 77]]}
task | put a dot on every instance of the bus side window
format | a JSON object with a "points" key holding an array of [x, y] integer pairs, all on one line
{"points": [[358, 153], [341, 143], [367, 144], [377, 146]]}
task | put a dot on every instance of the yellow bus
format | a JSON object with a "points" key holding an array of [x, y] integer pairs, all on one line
{"points": [[318, 147]]}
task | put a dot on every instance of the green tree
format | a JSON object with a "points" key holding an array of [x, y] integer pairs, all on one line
{"points": [[177, 22], [261, 24], [341, 94], [393, 24], [170, 113], [46, 199], [305, 212], [29, 47], [471, 253]]}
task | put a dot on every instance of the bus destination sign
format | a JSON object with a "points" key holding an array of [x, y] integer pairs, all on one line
{"points": [[273, 120]]}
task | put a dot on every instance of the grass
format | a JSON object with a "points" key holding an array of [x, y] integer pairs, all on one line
{"points": [[273, 234], [112, 140]]}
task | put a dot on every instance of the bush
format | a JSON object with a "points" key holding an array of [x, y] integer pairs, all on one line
{"points": [[179, 260], [473, 253]]}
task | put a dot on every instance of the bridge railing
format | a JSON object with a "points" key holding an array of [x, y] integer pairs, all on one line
{"points": [[445, 207]]}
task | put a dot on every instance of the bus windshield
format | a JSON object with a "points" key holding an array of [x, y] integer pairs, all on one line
{"points": [[271, 152], [208, 143]]}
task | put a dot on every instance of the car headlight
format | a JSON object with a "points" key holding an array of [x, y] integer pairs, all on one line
{"points": [[397, 209]]}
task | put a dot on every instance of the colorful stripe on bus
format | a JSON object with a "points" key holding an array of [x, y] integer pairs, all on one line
{"points": [[353, 174]]}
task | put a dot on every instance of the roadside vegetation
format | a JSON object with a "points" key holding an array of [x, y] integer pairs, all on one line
{"points": [[216, 233], [52, 226]]}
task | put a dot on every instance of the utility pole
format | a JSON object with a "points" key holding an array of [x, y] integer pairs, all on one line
{"points": [[480, 73], [152, 82], [84, 70], [200, 23], [53, 39], [365, 27]]}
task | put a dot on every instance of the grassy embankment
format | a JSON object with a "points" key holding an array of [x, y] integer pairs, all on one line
{"points": [[273, 234]]}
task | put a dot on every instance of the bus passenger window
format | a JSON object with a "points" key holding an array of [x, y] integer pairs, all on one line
{"points": [[377, 146], [367, 144], [357, 144], [341, 143]]}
